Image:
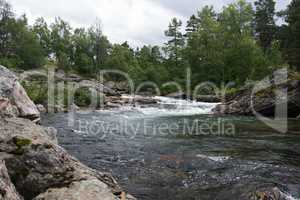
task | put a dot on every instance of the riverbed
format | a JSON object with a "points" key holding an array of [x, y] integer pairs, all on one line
{"points": [[179, 151]]}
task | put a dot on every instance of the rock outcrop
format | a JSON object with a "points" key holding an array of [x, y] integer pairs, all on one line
{"points": [[13, 98], [249, 100], [60, 76], [40, 168], [177, 95], [32, 164], [269, 193]]}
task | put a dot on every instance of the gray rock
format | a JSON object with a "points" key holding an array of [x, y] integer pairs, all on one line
{"points": [[51, 133], [33, 75], [122, 86], [41, 108], [113, 105], [18, 127], [7, 189], [11, 89], [177, 95], [244, 102], [208, 98], [7, 109], [87, 189], [94, 84], [269, 193], [38, 166], [137, 99]]}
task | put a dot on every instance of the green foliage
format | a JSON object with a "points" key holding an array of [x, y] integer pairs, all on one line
{"points": [[265, 27], [122, 58], [84, 97], [99, 44], [291, 40], [222, 48], [30, 51], [41, 29], [21, 142], [237, 44], [174, 46], [150, 60], [19, 46], [296, 76], [37, 91]]}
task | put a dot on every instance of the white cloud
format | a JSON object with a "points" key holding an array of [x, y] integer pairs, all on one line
{"points": [[137, 21]]}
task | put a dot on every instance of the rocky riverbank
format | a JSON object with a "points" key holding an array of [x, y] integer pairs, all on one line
{"points": [[32, 164], [106, 96], [263, 98]]}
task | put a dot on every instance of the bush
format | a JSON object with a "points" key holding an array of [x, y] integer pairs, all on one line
{"points": [[37, 91], [84, 97]]}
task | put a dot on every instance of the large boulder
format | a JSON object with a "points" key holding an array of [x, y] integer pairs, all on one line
{"points": [[87, 189], [40, 169], [94, 84], [13, 95], [177, 95]]}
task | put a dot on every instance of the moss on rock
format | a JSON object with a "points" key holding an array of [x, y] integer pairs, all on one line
{"points": [[21, 142]]}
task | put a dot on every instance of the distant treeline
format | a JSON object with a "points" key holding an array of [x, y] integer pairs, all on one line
{"points": [[242, 42]]}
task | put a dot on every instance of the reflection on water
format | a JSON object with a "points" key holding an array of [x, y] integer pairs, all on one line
{"points": [[182, 165]]}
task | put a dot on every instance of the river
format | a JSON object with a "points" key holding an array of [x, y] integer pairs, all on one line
{"points": [[179, 151]]}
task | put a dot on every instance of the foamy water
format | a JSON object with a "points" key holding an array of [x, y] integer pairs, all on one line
{"points": [[168, 107]]}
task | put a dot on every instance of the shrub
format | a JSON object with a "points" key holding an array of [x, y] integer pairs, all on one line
{"points": [[84, 97]]}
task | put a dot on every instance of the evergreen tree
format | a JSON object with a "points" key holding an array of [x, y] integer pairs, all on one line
{"points": [[292, 49], [99, 45], [265, 27], [6, 22], [176, 43], [192, 25]]}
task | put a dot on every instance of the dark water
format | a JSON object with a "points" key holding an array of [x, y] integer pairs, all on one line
{"points": [[181, 164]]}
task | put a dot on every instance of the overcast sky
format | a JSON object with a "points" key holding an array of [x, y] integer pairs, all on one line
{"points": [[137, 21]]}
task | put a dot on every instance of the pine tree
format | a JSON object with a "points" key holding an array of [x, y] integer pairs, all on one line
{"points": [[192, 25], [293, 37], [6, 19], [175, 44], [265, 27]]}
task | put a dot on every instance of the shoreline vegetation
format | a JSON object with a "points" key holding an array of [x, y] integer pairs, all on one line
{"points": [[240, 44]]}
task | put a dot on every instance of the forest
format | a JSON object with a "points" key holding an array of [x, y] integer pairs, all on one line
{"points": [[241, 43]]}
